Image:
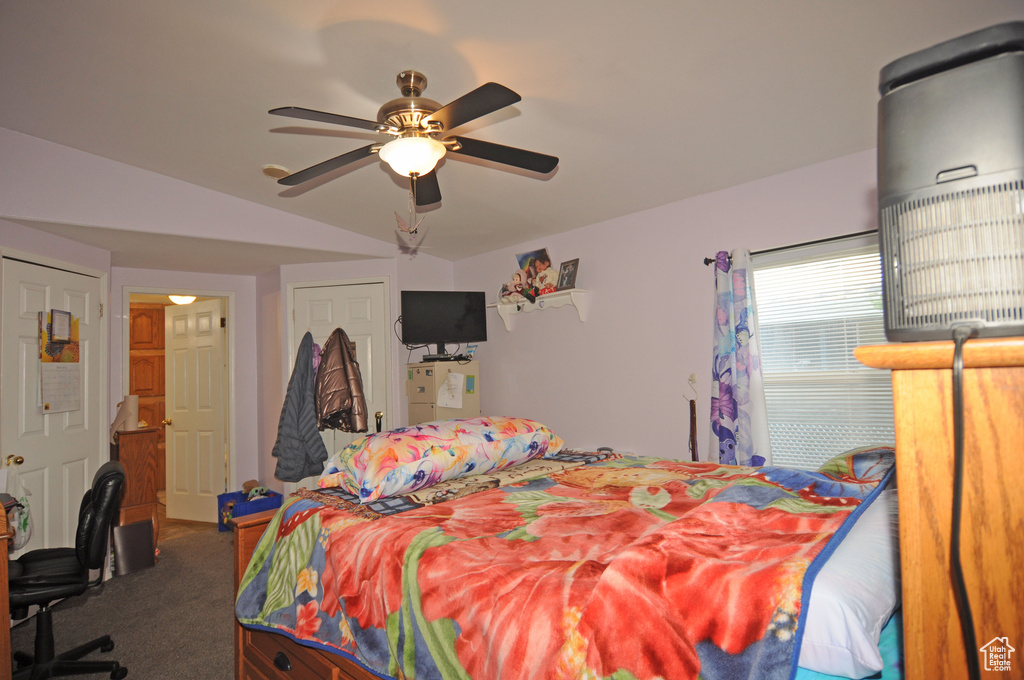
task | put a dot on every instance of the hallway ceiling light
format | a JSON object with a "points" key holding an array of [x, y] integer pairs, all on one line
{"points": [[182, 299]]}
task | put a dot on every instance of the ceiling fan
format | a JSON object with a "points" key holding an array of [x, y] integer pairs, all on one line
{"points": [[421, 129]]}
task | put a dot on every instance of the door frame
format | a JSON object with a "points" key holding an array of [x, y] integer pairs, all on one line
{"points": [[288, 360], [103, 436], [229, 353]]}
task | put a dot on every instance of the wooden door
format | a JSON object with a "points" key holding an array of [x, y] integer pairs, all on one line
{"points": [[146, 372]]}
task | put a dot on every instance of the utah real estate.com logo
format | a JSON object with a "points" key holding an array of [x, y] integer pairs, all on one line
{"points": [[997, 653]]}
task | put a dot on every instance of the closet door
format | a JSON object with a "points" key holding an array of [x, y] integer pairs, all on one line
{"points": [[361, 310], [62, 444]]}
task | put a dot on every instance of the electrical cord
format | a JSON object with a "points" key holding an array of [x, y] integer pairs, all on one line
{"points": [[963, 604], [411, 348]]}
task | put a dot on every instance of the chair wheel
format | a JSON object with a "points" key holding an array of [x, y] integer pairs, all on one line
{"points": [[119, 673], [106, 647]]}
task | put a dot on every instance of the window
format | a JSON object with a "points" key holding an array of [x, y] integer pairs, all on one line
{"points": [[815, 304]]}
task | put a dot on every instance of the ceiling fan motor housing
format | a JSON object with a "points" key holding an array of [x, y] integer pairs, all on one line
{"points": [[407, 111], [951, 187]]}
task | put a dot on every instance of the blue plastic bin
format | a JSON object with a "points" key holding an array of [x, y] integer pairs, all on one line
{"points": [[243, 507]]}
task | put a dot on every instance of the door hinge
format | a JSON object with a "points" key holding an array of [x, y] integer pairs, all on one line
{"points": [[223, 322], [101, 310]]}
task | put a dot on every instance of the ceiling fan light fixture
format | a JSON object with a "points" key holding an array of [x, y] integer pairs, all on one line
{"points": [[410, 156], [182, 299]]}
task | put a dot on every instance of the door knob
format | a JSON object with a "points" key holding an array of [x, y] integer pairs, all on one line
{"points": [[166, 422], [15, 460]]}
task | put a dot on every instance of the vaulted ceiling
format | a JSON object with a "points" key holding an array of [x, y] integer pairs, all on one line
{"points": [[645, 103]]}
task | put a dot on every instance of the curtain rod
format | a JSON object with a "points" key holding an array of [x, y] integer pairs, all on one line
{"points": [[711, 260]]}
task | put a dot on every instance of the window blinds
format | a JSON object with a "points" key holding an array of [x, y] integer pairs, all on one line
{"points": [[814, 306]]}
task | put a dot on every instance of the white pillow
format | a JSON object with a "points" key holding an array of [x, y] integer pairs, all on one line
{"points": [[854, 595]]}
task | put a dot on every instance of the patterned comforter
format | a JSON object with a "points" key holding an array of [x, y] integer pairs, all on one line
{"points": [[623, 568]]}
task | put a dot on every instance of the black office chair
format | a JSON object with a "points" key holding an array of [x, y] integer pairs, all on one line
{"points": [[41, 577]]}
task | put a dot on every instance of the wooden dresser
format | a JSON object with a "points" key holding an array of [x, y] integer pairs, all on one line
{"points": [[992, 529], [137, 451]]}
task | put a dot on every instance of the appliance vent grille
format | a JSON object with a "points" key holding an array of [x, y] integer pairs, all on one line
{"points": [[954, 259]]}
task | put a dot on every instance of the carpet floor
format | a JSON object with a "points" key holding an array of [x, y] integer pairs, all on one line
{"points": [[171, 621]]}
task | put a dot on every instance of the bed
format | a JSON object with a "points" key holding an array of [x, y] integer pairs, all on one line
{"points": [[559, 563]]}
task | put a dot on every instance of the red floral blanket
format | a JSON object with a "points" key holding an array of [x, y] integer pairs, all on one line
{"points": [[629, 568]]}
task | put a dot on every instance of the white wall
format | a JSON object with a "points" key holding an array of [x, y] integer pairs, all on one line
{"points": [[270, 386], [18, 237], [620, 378]]}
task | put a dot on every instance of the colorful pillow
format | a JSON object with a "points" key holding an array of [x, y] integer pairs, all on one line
{"points": [[390, 463], [854, 595]]}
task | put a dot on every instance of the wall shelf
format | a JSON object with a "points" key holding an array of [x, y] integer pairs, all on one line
{"points": [[577, 297]]}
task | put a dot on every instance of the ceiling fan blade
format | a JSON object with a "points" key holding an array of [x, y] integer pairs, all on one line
{"points": [[426, 189], [509, 155], [485, 99], [315, 171], [322, 117]]}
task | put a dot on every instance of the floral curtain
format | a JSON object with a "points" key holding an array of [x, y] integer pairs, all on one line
{"points": [[739, 418]]}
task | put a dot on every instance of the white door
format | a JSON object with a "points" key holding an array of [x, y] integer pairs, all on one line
{"points": [[197, 460], [62, 450], [360, 310]]}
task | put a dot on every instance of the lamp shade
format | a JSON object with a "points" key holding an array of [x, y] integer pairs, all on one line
{"points": [[412, 155]]}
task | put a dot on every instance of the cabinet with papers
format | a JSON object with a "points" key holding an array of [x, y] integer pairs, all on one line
{"points": [[441, 390]]}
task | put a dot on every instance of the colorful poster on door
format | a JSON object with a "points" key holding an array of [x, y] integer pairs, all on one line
{"points": [[58, 350]]}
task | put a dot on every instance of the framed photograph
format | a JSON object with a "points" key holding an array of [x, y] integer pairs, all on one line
{"points": [[567, 274], [60, 326]]}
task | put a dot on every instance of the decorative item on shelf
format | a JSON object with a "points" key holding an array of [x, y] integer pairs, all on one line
{"points": [[512, 291], [574, 296], [533, 278], [540, 279], [536, 285], [567, 274]]}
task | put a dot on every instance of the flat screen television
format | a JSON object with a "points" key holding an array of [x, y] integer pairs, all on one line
{"points": [[441, 317]]}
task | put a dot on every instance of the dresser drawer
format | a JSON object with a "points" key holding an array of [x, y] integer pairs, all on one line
{"points": [[422, 388], [262, 649]]}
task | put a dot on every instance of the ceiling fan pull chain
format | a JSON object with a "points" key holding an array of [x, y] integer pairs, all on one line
{"points": [[412, 207]]}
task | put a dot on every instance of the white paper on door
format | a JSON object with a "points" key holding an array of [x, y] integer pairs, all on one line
{"points": [[61, 388]]}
